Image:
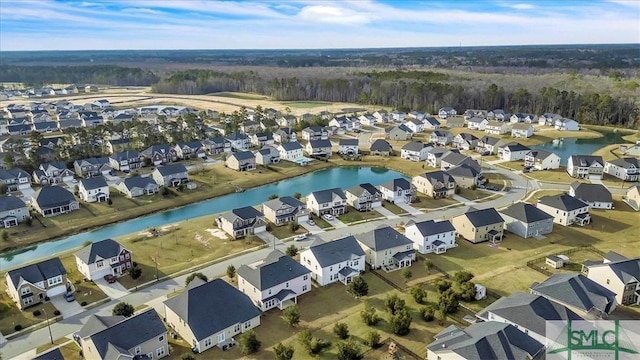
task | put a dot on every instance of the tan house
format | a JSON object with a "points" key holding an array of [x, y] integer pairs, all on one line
{"points": [[32, 284], [285, 209], [241, 222], [436, 184], [633, 197], [241, 161], [618, 274], [480, 225], [386, 247]]}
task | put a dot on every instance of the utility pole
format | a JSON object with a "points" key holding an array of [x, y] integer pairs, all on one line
{"points": [[155, 261], [48, 325]]}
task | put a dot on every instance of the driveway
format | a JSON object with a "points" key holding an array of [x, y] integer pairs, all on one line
{"points": [[268, 238], [27, 194], [66, 308], [387, 213], [336, 223], [410, 209], [313, 229], [113, 291]]}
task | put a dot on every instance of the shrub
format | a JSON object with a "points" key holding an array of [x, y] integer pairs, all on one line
{"points": [[110, 202], [462, 277], [442, 285], [5, 235], [427, 313], [272, 196], [358, 287], [467, 291], [369, 315], [419, 294], [249, 343], [400, 322], [37, 313], [448, 301], [349, 350], [135, 264], [372, 339], [123, 309], [56, 313], [231, 272], [283, 352], [135, 273], [291, 315], [28, 221], [312, 344], [297, 195], [84, 303], [293, 226], [193, 276], [187, 356], [406, 274], [292, 251], [46, 298], [428, 265], [341, 330], [394, 304], [17, 327]]}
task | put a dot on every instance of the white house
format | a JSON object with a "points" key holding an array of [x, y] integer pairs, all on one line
{"points": [[522, 130], [565, 209], [513, 151], [348, 147], [291, 151], [105, 257], [368, 120], [336, 260], [596, 195], [525, 220], [397, 115], [476, 123], [430, 236], [497, 128], [541, 160], [566, 125], [441, 138], [618, 274], [627, 169], [415, 125], [446, 112], [430, 123], [415, 151], [585, 167], [398, 190], [94, 189], [329, 201]]}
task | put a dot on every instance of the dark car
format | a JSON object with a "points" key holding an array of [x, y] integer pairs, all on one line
{"points": [[69, 297], [110, 278], [493, 188]]}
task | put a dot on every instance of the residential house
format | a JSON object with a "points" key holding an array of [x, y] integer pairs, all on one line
{"points": [[346, 123], [529, 313], [53, 142], [585, 167], [489, 145], [618, 274], [480, 225], [484, 340], [386, 247], [32, 284], [397, 115], [455, 122], [336, 260], [105, 257], [13, 211], [45, 127], [522, 130], [284, 135], [250, 127], [329, 201], [102, 103], [120, 118], [267, 155], [497, 128], [597, 196], [632, 197], [241, 161], [541, 160], [566, 125], [363, 197], [498, 115], [415, 151], [117, 145], [578, 293], [452, 159], [477, 123], [548, 119], [465, 141], [201, 316], [287, 121], [52, 354], [467, 175], [398, 191], [239, 141], [94, 189], [52, 173], [398, 133], [19, 129], [190, 150], [90, 118], [382, 116], [170, 175], [216, 145], [291, 151], [262, 139], [90, 167], [415, 125], [142, 336], [420, 115], [368, 120], [434, 156], [319, 148], [15, 179], [277, 281], [380, 147], [126, 160], [633, 150], [54, 200], [284, 210], [447, 112], [138, 186], [526, 220], [241, 222], [524, 118], [315, 133], [512, 151], [565, 209], [431, 236], [441, 138], [160, 154], [436, 184], [430, 123], [627, 169], [348, 147]]}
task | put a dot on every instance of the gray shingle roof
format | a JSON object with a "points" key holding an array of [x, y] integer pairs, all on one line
{"points": [[490, 140], [277, 269], [53, 196], [361, 188], [94, 182], [626, 163], [430, 227], [434, 177], [139, 182], [591, 192], [468, 137], [11, 203], [628, 271], [276, 204], [398, 183], [320, 143], [464, 170], [104, 249], [382, 238], [243, 155], [562, 202], [454, 158], [171, 169], [125, 155], [243, 213], [210, 307], [324, 196], [540, 154], [294, 145], [380, 145], [348, 142], [336, 251], [576, 290], [483, 217], [97, 323], [514, 146], [585, 160], [526, 212], [415, 146], [54, 354], [38, 272]]}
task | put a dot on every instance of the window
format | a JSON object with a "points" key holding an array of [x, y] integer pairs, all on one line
{"points": [[220, 337], [99, 263], [607, 281], [304, 287], [207, 342], [161, 338], [150, 355], [236, 328], [305, 277], [25, 290], [287, 284], [137, 350], [27, 301], [160, 351]]}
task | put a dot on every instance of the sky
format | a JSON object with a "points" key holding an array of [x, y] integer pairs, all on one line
{"points": [[311, 24]]}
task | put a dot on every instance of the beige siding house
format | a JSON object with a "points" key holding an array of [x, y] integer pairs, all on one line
{"points": [[386, 247], [436, 184], [480, 225], [618, 274], [633, 197], [31, 284], [284, 210], [241, 222]]}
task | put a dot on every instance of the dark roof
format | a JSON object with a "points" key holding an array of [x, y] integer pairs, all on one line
{"points": [[284, 200], [454, 157], [585, 160], [320, 143], [336, 251], [562, 202], [382, 238], [104, 249], [415, 146], [54, 354], [591, 192], [97, 323], [380, 145], [526, 212], [243, 155], [348, 142], [293, 145], [53, 196], [438, 176], [171, 169], [628, 271], [626, 163], [396, 183], [483, 217], [14, 173], [514, 146], [576, 290], [244, 213], [236, 136], [467, 137], [464, 170], [324, 196], [94, 182], [359, 189], [139, 182], [209, 307], [125, 155], [490, 140], [276, 269], [11, 203], [540, 154], [37, 272], [430, 227]]}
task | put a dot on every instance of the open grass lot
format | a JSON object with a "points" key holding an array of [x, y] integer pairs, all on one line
{"points": [[426, 202], [69, 349], [554, 175], [475, 194], [283, 232], [393, 208], [305, 104], [241, 96], [354, 215], [10, 315], [513, 165], [610, 152]]}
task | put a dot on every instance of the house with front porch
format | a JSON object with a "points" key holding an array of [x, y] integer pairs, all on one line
{"points": [[441, 137], [284, 210], [431, 236], [94, 189], [241, 161], [90, 167], [363, 197], [541, 160], [290, 151], [415, 151], [627, 169], [329, 201], [436, 184], [497, 128], [332, 261], [13, 211], [241, 222], [489, 145], [15, 179], [480, 225], [398, 191], [522, 130], [137, 186], [201, 314], [465, 141], [190, 150], [565, 209], [275, 282], [513, 151], [53, 200], [30, 285], [348, 147], [315, 133], [526, 220], [105, 257], [477, 123], [160, 154], [585, 167], [54, 172], [321, 148], [596, 195], [385, 247], [126, 160], [380, 147]]}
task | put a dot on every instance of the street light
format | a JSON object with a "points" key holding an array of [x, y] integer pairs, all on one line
{"points": [[48, 325]]}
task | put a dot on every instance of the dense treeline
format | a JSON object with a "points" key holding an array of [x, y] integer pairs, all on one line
{"points": [[98, 74], [407, 90]]}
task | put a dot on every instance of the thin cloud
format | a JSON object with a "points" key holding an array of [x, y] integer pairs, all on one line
{"points": [[521, 6], [333, 14]]}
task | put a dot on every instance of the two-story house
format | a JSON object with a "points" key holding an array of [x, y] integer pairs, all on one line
{"points": [[441, 138], [380, 147], [13, 211], [276, 281], [241, 222], [566, 125], [368, 120], [138, 186], [398, 191], [267, 155], [94, 189], [498, 115], [398, 133], [160, 154], [262, 139], [477, 123], [541, 160], [285, 209], [241, 161], [54, 200], [190, 150], [321, 148], [488, 145], [430, 123], [364, 197], [585, 167], [522, 130], [315, 133], [95, 166], [446, 112], [526, 220], [209, 314], [565, 209], [329, 201], [397, 115], [290, 151], [497, 128], [32, 284], [415, 151], [386, 247], [465, 141], [170, 175], [436, 184], [332, 261], [284, 135], [620, 275], [467, 175], [480, 225], [452, 159], [346, 123], [416, 126], [52, 173], [596, 195], [382, 116], [348, 147], [431, 236], [435, 155], [126, 160], [627, 169], [548, 119], [512, 151], [105, 257], [287, 121]]}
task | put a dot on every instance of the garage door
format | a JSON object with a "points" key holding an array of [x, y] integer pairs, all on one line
{"points": [[303, 218], [259, 229], [57, 290]]}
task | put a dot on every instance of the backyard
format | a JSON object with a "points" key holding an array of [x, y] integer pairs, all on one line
{"points": [[11, 316]]}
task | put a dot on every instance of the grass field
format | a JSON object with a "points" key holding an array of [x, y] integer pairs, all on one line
{"points": [[305, 104], [426, 202], [283, 232], [472, 195], [241, 96], [393, 208], [354, 215], [11, 316]]}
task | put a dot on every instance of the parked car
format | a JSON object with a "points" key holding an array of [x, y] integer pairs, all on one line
{"points": [[110, 278], [327, 217], [300, 237], [69, 297], [526, 169], [493, 188], [311, 222]]}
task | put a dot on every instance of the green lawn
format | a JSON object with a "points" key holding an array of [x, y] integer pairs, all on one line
{"points": [[354, 215], [241, 96], [427, 202], [10, 315], [513, 165], [320, 222], [393, 208], [556, 175], [305, 104], [472, 195], [283, 232]]}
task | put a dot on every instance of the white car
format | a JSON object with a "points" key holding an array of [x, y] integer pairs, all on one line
{"points": [[327, 217], [300, 237]]}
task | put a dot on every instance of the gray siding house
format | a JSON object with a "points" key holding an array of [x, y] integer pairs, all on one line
{"points": [[526, 220], [13, 211], [171, 175]]}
